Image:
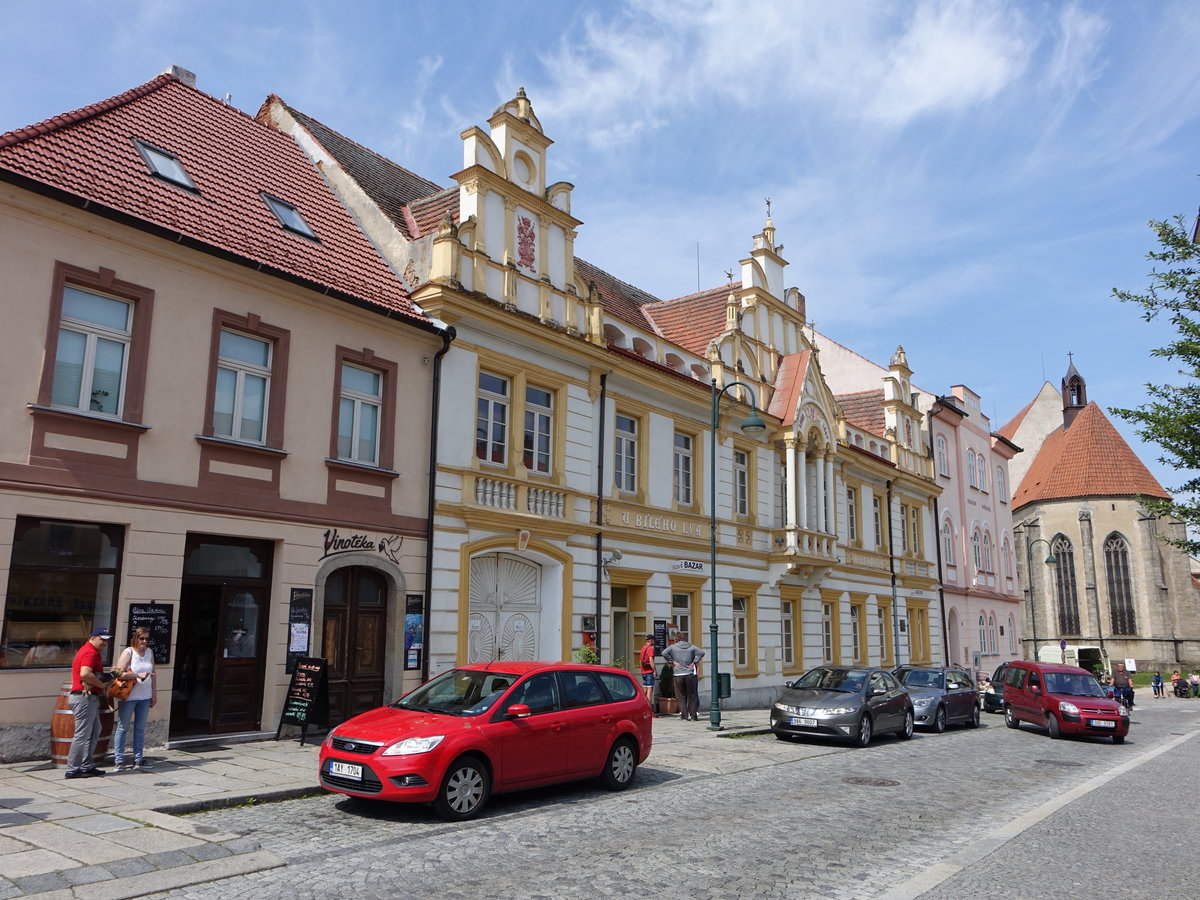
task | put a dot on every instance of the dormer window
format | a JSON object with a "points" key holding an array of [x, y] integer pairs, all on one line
{"points": [[164, 164], [289, 216]]}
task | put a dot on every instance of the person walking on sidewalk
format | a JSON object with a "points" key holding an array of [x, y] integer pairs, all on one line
{"points": [[137, 658], [1157, 683], [85, 704], [684, 659], [646, 658]]}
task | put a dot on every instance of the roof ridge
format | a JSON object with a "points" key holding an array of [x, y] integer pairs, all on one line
{"points": [[83, 113], [295, 112], [608, 274], [696, 295]]}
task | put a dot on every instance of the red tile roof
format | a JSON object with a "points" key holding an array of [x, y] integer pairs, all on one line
{"points": [[424, 215], [864, 409], [619, 298], [1089, 459], [692, 321], [789, 383], [89, 155]]}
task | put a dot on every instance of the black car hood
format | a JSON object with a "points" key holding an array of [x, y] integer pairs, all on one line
{"points": [[819, 697]]}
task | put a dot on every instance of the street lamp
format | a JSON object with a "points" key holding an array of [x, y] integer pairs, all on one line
{"points": [[1051, 559], [753, 425]]}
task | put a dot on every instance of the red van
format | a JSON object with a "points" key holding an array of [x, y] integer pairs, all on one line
{"points": [[1063, 700]]}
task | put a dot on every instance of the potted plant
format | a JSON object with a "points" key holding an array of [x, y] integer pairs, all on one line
{"points": [[668, 705]]}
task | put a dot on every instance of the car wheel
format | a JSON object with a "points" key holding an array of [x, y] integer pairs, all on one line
{"points": [[1009, 719], [1118, 738], [464, 791], [939, 720], [906, 730], [1053, 727], [620, 767], [973, 722], [864, 731]]}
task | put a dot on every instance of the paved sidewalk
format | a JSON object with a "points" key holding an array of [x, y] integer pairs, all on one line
{"points": [[122, 836]]}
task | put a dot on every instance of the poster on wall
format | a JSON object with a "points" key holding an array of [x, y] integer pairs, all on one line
{"points": [[414, 631], [299, 626]]}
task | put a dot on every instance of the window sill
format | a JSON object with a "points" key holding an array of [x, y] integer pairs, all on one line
{"points": [[358, 468], [78, 415], [228, 443]]}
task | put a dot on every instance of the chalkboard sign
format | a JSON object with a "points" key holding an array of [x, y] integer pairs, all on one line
{"points": [[307, 701], [157, 619], [299, 626], [660, 636]]}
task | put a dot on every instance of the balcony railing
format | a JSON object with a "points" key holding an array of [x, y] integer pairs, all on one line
{"points": [[520, 496]]}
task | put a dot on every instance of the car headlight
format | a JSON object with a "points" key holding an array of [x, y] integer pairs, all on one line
{"points": [[838, 711], [1066, 707], [922, 702], [413, 745]]}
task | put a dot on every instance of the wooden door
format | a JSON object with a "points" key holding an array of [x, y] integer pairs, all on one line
{"points": [[354, 632]]}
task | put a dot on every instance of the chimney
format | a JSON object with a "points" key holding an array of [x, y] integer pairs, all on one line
{"points": [[184, 75]]}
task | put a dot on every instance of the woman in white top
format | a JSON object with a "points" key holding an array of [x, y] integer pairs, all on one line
{"points": [[137, 658]]}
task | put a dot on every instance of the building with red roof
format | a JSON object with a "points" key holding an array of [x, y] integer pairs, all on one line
{"points": [[1101, 575], [212, 378]]}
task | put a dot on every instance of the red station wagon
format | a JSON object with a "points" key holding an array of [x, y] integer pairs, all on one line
{"points": [[492, 727], [1062, 699]]}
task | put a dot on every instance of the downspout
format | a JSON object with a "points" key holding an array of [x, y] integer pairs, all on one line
{"points": [[435, 414], [600, 508], [895, 593]]}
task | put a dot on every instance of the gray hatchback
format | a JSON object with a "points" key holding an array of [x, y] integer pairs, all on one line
{"points": [[851, 703], [941, 695]]}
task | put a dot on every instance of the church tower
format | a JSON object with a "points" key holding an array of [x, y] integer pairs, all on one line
{"points": [[1074, 394]]}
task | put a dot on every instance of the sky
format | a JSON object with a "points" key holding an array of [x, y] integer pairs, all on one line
{"points": [[967, 179]]}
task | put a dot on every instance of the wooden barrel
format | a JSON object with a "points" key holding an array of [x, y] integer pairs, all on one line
{"points": [[62, 730]]}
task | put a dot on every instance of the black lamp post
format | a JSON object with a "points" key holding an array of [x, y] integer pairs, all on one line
{"points": [[753, 425], [1051, 559]]}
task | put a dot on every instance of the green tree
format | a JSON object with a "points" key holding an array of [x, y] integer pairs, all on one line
{"points": [[1171, 417]]}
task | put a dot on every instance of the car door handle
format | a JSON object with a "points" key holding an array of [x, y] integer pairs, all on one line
{"points": [[558, 726]]}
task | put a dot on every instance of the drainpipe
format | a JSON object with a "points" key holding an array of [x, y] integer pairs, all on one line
{"points": [[600, 508], [435, 414]]}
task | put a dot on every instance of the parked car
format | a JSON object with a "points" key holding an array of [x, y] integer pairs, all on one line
{"points": [[993, 694], [941, 696], [851, 703], [491, 727], [1062, 699]]}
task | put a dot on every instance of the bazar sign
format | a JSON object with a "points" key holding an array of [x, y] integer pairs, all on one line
{"points": [[692, 566], [661, 523]]}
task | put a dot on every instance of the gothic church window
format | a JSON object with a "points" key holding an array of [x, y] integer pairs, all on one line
{"points": [[1120, 594], [1068, 593]]}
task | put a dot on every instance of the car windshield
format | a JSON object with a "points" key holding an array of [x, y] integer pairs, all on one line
{"points": [[1072, 685], [459, 692], [922, 678], [850, 681]]}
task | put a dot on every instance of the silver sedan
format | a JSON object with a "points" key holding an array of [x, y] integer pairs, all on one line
{"points": [[850, 703]]}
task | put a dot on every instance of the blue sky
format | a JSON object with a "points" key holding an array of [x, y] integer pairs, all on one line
{"points": [[969, 180]]}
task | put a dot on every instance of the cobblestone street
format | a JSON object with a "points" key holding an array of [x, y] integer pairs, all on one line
{"points": [[898, 819]]}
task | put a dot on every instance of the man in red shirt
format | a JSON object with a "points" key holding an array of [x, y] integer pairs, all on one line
{"points": [[646, 658], [85, 703]]}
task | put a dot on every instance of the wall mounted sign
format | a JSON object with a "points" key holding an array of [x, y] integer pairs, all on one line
{"points": [[357, 542]]}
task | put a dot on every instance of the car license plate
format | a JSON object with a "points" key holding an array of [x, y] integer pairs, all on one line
{"points": [[1101, 723], [346, 770], [804, 723]]}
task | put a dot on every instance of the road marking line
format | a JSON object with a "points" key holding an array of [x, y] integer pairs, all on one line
{"points": [[936, 874]]}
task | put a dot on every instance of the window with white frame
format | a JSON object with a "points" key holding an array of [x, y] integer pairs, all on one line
{"points": [[971, 479], [915, 527], [491, 419], [827, 632], [977, 549], [852, 515], [741, 636], [948, 543], [358, 414], [625, 454], [1001, 484], [982, 634], [781, 491], [1006, 558], [943, 459], [539, 423], [92, 353], [992, 634], [881, 627], [903, 527], [981, 465], [681, 468], [987, 552], [787, 631], [1012, 635], [681, 614], [741, 483], [855, 633], [242, 387], [877, 521]]}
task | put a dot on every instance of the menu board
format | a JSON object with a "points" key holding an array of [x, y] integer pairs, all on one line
{"points": [[299, 626], [307, 701], [157, 618]]}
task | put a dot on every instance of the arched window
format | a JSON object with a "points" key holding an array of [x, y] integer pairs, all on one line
{"points": [[987, 553], [981, 465], [991, 634], [948, 543], [1120, 594], [1001, 484], [1006, 558], [943, 461], [1068, 593], [971, 468], [977, 550], [1012, 635], [982, 635]]}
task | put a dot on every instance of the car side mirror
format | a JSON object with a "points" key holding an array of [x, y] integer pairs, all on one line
{"points": [[519, 711], [876, 691], [1035, 688], [789, 684]]}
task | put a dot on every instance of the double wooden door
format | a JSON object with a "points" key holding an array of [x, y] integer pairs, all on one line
{"points": [[354, 641]]}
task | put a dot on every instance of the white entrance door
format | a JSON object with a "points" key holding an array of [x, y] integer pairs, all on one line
{"points": [[505, 609]]}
